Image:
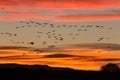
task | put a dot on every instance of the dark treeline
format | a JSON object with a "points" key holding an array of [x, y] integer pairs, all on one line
{"points": [[44, 72]]}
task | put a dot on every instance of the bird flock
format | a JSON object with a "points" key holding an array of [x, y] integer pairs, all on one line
{"points": [[49, 34]]}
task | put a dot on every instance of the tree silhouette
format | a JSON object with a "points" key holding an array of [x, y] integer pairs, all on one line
{"points": [[110, 67]]}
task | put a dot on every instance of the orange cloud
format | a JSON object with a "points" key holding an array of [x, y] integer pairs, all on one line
{"points": [[77, 58], [77, 18], [14, 10], [61, 4], [23, 16]]}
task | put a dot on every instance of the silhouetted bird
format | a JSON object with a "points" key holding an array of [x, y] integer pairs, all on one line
{"points": [[100, 39], [51, 46], [32, 43]]}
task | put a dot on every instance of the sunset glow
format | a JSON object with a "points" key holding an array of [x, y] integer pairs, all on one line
{"points": [[73, 59], [79, 34]]}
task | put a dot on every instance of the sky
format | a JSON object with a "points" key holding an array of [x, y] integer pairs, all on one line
{"points": [[79, 34]]}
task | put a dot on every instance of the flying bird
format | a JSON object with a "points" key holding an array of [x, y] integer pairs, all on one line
{"points": [[100, 39], [32, 43], [51, 46]]}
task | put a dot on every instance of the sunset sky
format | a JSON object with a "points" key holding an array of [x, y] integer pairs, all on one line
{"points": [[79, 34]]}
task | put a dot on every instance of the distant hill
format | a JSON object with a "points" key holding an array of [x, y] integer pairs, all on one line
{"points": [[45, 72], [32, 67]]}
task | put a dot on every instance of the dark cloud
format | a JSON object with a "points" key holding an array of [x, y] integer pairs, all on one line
{"points": [[15, 48], [16, 57], [39, 50], [83, 51], [107, 59], [96, 59], [106, 46], [85, 57], [50, 50], [105, 12], [58, 56]]}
